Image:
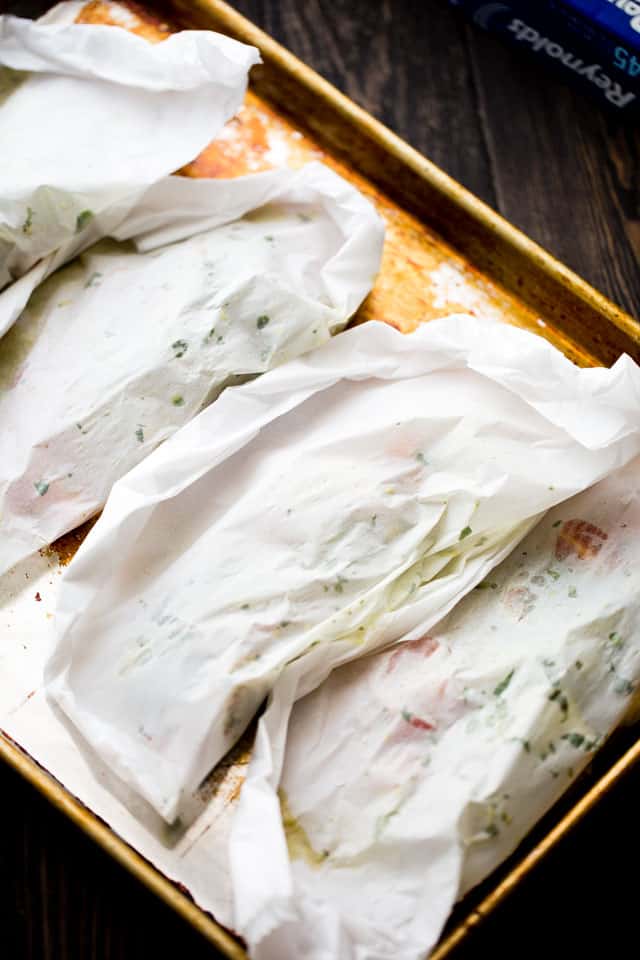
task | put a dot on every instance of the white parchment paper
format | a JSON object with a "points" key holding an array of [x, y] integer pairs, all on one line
{"points": [[124, 345], [341, 502], [596, 588], [409, 775], [90, 117]]}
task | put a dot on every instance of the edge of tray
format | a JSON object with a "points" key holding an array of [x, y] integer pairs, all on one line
{"points": [[99, 831], [493, 244], [591, 307], [580, 809], [161, 886]]}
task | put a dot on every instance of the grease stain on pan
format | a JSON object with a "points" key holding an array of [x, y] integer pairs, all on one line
{"points": [[421, 277]]}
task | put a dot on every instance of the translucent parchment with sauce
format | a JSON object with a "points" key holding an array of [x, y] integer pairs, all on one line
{"points": [[407, 777], [122, 346], [90, 117], [339, 503]]}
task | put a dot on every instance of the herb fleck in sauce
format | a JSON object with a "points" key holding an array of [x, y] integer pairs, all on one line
{"points": [[179, 348], [27, 226], [504, 683], [83, 218], [93, 279]]}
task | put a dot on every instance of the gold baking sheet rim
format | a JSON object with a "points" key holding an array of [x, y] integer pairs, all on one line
{"points": [[217, 935], [581, 321]]}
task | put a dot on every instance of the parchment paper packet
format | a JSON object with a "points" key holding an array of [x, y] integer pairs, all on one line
{"points": [[90, 117], [409, 776], [341, 502], [119, 348]]}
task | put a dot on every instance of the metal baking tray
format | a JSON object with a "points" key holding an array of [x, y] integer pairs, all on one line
{"points": [[445, 251]]}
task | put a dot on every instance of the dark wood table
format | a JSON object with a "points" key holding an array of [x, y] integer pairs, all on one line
{"points": [[569, 176]]}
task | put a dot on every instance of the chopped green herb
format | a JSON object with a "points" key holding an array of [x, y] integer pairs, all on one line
{"points": [[269, 238], [27, 226], [420, 457], [41, 486], [338, 588], [304, 217], [83, 219], [578, 664], [285, 623], [373, 519], [575, 739], [557, 523], [616, 640], [262, 321], [526, 746], [553, 573], [572, 592], [93, 279], [245, 606], [558, 696], [465, 532], [487, 585], [179, 348], [504, 683], [491, 830], [406, 715], [624, 687], [140, 435], [177, 400]]}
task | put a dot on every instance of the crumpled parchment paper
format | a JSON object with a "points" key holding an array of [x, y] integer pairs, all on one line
{"points": [[90, 117], [407, 777], [121, 347], [339, 503]]}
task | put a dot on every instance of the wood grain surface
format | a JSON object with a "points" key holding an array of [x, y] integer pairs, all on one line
{"points": [[569, 175]]}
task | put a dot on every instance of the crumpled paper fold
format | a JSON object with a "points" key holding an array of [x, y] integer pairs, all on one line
{"points": [[90, 117], [121, 347], [339, 503], [407, 777]]}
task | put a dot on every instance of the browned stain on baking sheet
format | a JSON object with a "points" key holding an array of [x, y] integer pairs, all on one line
{"points": [[131, 16], [421, 276], [64, 548]]}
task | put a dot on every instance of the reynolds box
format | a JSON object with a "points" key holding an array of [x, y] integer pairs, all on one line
{"points": [[592, 43]]}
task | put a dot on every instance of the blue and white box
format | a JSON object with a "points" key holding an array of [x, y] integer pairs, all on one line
{"points": [[592, 43]]}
